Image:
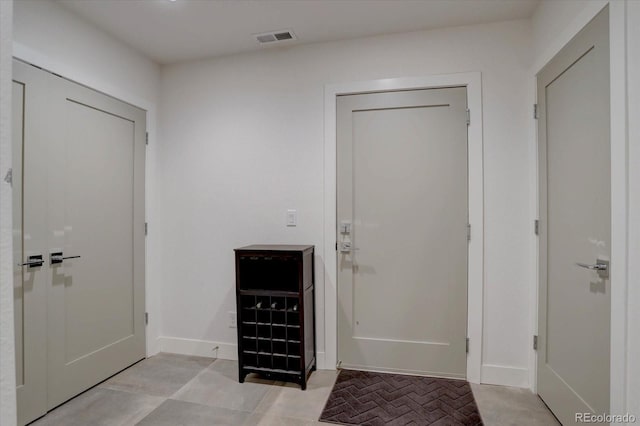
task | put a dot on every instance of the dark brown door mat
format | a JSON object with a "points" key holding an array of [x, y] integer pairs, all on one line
{"points": [[364, 398]]}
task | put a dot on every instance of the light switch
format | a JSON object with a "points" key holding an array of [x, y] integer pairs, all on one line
{"points": [[292, 217]]}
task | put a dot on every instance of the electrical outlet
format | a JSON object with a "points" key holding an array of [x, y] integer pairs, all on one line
{"points": [[233, 321]]}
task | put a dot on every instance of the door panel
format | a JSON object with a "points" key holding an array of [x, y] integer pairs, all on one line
{"points": [[79, 320], [402, 184], [575, 207], [99, 150]]}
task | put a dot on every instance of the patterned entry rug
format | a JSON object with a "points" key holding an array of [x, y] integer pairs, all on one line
{"points": [[364, 398]]}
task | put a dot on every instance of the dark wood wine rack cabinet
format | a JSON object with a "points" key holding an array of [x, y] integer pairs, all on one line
{"points": [[276, 320]]}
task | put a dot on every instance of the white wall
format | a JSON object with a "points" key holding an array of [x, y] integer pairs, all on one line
{"points": [[51, 37], [7, 354], [554, 23], [70, 43], [552, 18], [242, 141]]}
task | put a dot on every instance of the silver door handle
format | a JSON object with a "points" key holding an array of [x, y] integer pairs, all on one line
{"points": [[58, 258], [33, 261], [596, 267], [601, 267]]}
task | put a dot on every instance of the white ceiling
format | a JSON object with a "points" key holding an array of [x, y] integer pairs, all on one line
{"points": [[169, 32]]}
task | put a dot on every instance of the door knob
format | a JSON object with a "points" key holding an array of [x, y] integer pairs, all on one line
{"points": [[601, 267], [33, 261], [58, 258]]}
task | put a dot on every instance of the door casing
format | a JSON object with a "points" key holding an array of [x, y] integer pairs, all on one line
{"points": [[472, 81]]}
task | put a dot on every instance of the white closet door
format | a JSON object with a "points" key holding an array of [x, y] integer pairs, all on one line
{"points": [[96, 212]]}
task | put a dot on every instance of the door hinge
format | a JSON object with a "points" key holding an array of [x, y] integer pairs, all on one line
{"points": [[468, 232], [535, 343], [536, 226], [468, 117], [146, 228], [535, 111], [336, 246], [147, 138], [467, 345], [146, 318], [9, 177]]}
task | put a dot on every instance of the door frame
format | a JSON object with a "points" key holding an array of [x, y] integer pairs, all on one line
{"points": [[473, 82], [619, 192]]}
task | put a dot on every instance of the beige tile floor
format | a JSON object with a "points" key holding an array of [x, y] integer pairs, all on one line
{"points": [[174, 390]]}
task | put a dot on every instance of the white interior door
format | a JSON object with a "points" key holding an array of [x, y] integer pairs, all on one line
{"points": [[575, 219], [83, 212], [402, 237], [96, 212]]}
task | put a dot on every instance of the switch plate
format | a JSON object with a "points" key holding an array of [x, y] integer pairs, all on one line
{"points": [[233, 320], [292, 217]]}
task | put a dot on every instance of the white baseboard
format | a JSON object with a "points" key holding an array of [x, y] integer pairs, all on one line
{"points": [[205, 348], [491, 374], [321, 362], [505, 376], [177, 345]]}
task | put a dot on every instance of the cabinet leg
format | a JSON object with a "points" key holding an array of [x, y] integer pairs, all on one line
{"points": [[241, 377]]}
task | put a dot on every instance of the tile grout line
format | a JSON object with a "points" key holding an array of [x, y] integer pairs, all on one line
{"points": [[191, 379]]}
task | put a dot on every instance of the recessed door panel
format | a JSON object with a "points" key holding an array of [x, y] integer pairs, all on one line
{"points": [[98, 206], [18, 246]]}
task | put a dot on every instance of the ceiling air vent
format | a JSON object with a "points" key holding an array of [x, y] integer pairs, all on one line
{"points": [[275, 37]]}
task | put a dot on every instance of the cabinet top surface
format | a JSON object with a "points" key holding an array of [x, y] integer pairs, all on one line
{"points": [[275, 247]]}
